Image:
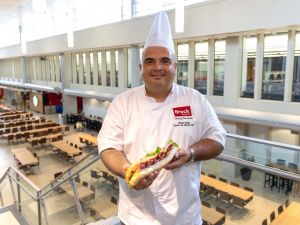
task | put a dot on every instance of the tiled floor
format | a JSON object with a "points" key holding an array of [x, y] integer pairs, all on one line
{"points": [[61, 208]]}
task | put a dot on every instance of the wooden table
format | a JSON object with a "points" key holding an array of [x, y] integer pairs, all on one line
{"points": [[25, 157], [289, 216], [211, 215], [89, 138], [66, 148], [226, 187]]}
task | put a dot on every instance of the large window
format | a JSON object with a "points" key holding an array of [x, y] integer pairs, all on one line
{"points": [[219, 67], [248, 67], [182, 64], [296, 75], [201, 54], [274, 64]]}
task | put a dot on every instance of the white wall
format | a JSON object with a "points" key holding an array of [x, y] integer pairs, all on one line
{"points": [[95, 107]]}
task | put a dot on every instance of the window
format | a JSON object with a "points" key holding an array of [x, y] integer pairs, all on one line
{"points": [[182, 64], [108, 68], [201, 54], [296, 74], [219, 67], [275, 51], [248, 67]]}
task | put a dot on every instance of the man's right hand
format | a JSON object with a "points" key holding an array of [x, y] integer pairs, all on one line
{"points": [[145, 182]]}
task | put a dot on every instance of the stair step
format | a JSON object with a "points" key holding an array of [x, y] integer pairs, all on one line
{"points": [[11, 215], [114, 220]]}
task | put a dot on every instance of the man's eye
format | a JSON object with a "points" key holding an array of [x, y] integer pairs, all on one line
{"points": [[148, 61], [166, 61]]}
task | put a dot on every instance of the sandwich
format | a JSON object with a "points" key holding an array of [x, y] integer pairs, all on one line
{"points": [[153, 161]]}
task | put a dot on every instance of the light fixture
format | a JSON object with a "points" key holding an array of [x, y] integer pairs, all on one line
{"points": [[179, 16]]}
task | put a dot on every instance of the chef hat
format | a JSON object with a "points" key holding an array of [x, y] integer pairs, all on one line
{"points": [[160, 33]]}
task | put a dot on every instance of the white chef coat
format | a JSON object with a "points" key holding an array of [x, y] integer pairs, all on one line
{"points": [[136, 124]]}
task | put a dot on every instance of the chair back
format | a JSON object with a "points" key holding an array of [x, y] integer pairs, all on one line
{"points": [[220, 210], [281, 162], [272, 216], [207, 204]]}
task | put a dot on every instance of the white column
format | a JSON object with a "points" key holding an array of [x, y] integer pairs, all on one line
{"points": [[191, 65], [95, 68], [88, 68], [112, 68], [103, 69], [210, 67], [259, 67], [135, 72], [23, 70], [80, 68], [288, 80], [123, 68], [232, 76]]}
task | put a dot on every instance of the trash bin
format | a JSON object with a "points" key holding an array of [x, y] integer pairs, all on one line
{"points": [[62, 119]]}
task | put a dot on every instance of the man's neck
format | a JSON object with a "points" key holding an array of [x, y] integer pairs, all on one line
{"points": [[157, 94]]}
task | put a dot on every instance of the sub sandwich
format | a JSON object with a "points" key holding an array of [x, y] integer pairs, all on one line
{"points": [[153, 161]]}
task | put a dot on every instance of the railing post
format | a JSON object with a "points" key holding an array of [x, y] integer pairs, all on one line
{"points": [[17, 202], [76, 197]]}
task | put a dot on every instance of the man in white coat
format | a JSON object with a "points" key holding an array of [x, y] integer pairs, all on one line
{"points": [[148, 116]]}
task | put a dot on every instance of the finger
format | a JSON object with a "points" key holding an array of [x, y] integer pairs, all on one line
{"points": [[126, 166]]}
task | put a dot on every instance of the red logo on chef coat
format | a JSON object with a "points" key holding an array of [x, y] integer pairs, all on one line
{"points": [[182, 111]]}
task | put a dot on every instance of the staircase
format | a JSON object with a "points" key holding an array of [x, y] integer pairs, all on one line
{"points": [[11, 215]]}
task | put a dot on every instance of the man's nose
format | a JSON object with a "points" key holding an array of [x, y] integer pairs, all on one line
{"points": [[157, 65]]}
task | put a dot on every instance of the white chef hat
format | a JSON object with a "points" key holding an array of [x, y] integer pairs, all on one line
{"points": [[160, 32]]}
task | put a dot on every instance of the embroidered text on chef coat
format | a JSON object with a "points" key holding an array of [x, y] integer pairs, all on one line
{"points": [[183, 116]]}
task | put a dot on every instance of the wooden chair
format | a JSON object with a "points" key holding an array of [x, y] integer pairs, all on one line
{"points": [[114, 200], [237, 202], [202, 172], [264, 222], [223, 179], [207, 204], [221, 210], [224, 196], [235, 184], [287, 203], [212, 176], [212, 191], [248, 189], [280, 209], [272, 216], [85, 184], [56, 175]]}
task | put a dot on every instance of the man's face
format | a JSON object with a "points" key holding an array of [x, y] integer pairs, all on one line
{"points": [[158, 69]]}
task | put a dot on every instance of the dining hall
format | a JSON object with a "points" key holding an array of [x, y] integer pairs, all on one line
{"points": [[67, 71]]}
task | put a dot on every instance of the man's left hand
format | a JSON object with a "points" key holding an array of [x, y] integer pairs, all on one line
{"points": [[181, 157]]}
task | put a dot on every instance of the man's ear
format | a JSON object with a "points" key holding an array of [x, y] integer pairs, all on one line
{"points": [[140, 67]]}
